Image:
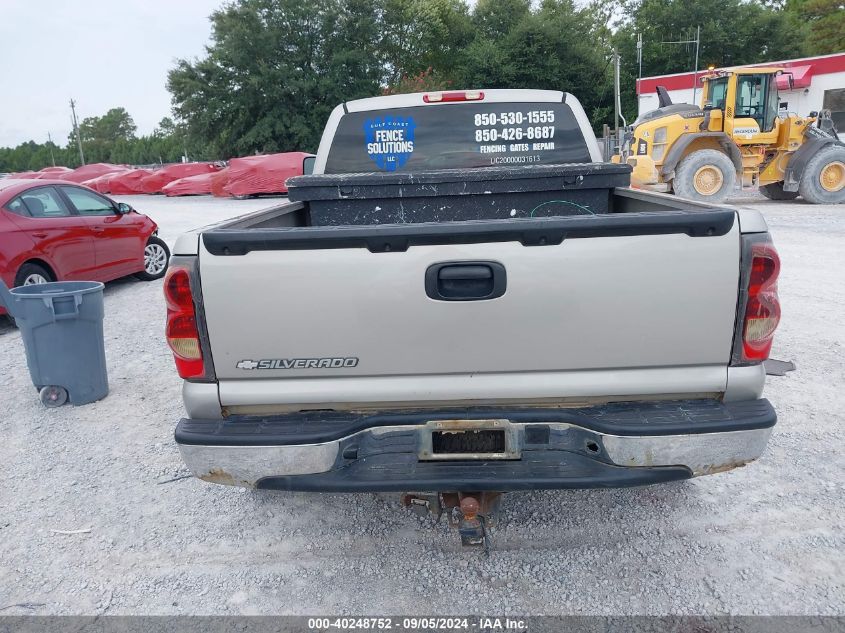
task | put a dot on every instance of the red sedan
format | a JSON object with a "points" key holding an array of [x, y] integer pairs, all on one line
{"points": [[53, 230]]}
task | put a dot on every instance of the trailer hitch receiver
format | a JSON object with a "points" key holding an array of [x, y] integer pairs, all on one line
{"points": [[472, 513]]}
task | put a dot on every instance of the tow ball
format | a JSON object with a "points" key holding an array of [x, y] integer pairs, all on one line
{"points": [[471, 525], [472, 513]]}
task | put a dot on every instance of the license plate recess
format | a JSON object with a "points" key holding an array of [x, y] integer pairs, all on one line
{"points": [[468, 440]]}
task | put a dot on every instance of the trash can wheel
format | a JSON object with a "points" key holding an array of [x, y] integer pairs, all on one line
{"points": [[53, 396]]}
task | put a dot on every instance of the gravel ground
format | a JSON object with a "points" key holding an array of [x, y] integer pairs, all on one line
{"points": [[765, 539]]}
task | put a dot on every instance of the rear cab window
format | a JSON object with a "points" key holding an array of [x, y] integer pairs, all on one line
{"points": [[457, 135]]}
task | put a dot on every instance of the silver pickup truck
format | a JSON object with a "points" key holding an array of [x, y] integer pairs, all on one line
{"points": [[610, 349]]}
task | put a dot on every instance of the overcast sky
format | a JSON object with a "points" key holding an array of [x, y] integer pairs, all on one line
{"points": [[103, 53]]}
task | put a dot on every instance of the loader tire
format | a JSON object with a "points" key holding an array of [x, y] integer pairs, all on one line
{"points": [[823, 180], [774, 191], [706, 175]]}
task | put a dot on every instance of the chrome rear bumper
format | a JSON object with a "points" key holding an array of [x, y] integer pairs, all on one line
{"points": [[616, 445]]}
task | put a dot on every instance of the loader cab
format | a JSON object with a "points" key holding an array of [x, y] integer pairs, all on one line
{"points": [[744, 104], [715, 93], [757, 98]]}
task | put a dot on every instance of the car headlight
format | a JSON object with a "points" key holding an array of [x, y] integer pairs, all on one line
{"points": [[660, 135]]}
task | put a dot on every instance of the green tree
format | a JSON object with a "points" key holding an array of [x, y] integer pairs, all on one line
{"points": [[496, 18], [166, 127], [421, 34], [101, 134], [274, 70], [114, 125], [109, 138], [425, 81], [824, 24], [733, 32], [550, 47], [34, 156]]}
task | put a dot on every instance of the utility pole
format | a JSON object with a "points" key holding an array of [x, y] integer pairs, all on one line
{"points": [[615, 107], [50, 141], [76, 131], [640, 55], [617, 100], [639, 66], [695, 72]]}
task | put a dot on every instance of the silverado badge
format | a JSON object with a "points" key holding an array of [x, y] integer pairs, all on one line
{"points": [[298, 363]]}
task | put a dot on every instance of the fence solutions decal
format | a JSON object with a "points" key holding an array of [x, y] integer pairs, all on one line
{"points": [[390, 140]]}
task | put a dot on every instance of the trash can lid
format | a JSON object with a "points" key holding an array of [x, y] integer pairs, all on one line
{"points": [[57, 289]]}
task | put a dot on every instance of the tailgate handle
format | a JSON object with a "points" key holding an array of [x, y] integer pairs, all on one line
{"points": [[465, 281]]}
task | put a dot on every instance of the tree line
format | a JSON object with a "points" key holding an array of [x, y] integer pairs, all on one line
{"points": [[110, 138], [275, 68]]}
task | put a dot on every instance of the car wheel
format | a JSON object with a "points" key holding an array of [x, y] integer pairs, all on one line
{"points": [[156, 257], [706, 175], [774, 191], [30, 274], [823, 180]]}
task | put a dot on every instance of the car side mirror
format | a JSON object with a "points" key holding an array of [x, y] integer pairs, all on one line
{"points": [[123, 208]]}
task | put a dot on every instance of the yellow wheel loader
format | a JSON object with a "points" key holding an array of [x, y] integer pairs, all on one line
{"points": [[737, 134]]}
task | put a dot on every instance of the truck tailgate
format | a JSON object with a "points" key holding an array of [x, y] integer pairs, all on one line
{"points": [[609, 296]]}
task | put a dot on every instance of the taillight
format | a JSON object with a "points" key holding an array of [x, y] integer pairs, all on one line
{"points": [[181, 330], [762, 307], [464, 95], [177, 289]]}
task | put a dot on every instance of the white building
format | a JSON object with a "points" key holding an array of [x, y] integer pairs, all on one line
{"points": [[818, 83]]}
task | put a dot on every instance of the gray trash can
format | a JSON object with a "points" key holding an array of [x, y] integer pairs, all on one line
{"points": [[62, 328]]}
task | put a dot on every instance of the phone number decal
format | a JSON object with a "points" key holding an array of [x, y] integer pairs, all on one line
{"points": [[515, 134], [490, 119]]}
